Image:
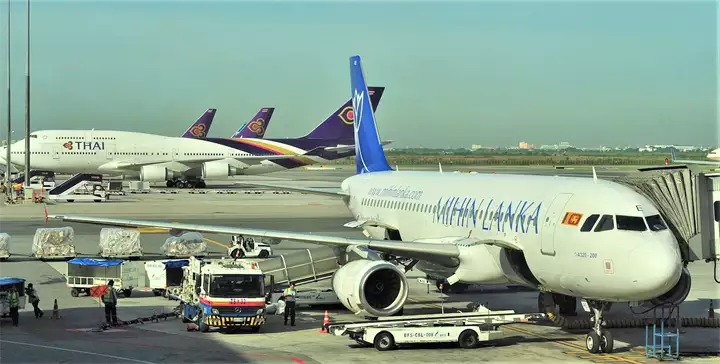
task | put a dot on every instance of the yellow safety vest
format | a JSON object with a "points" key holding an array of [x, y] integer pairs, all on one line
{"points": [[13, 299], [107, 296]]}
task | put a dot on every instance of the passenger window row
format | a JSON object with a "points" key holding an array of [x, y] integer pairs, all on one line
{"points": [[623, 222], [464, 213]]}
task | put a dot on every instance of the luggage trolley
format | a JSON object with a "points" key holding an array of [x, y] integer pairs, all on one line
{"points": [[86, 273]]}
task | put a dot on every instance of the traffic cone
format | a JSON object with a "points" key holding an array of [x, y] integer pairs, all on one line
{"points": [[326, 322], [56, 311], [711, 311]]}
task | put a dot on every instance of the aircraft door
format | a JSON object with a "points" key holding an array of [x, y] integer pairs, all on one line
{"points": [[56, 152], [110, 151], [175, 154], [552, 219]]}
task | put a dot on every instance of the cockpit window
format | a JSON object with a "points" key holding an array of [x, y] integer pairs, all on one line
{"points": [[632, 223], [655, 223], [589, 223], [606, 223]]}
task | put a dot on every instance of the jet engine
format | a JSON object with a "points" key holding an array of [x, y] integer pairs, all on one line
{"points": [[375, 286], [677, 294], [157, 174], [218, 169]]}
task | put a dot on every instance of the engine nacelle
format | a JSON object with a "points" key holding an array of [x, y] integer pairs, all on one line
{"points": [[376, 287], [678, 293], [217, 169], [157, 174]]}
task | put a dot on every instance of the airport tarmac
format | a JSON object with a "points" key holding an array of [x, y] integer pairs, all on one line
{"points": [[69, 339]]}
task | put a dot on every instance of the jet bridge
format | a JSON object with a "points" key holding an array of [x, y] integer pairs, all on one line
{"points": [[690, 204]]}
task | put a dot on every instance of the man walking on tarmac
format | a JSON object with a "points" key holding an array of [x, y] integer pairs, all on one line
{"points": [[14, 303], [109, 298], [34, 299], [290, 304]]}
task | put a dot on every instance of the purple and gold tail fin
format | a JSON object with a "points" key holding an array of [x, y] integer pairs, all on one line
{"points": [[340, 124], [257, 126], [201, 127]]}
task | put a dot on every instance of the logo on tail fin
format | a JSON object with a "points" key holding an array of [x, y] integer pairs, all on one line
{"points": [[257, 126], [198, 130], [347, 115]]}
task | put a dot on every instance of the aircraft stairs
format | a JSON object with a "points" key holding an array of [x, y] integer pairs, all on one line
{"points": [[73, 184], [33, 173], [301, 267]]}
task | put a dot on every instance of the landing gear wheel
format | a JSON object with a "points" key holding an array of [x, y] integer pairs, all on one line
{"points": [[384, 341], [190, 184], [201, 184], [468, 339], [170, 184], [74, 292], [592, 342], [606, 342], [180, 184]]}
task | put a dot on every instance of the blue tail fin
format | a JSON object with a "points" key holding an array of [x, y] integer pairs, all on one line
{"points": [[369, 154]]}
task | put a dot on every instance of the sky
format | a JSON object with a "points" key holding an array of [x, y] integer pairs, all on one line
{"points": [[456, 73]]}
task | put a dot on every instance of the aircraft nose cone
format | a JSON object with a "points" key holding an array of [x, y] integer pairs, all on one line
{"points": [[659, 267]]}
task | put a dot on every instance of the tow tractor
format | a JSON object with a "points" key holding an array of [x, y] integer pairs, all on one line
{"points": [[466, 329], [242, 247], [222, 293]]}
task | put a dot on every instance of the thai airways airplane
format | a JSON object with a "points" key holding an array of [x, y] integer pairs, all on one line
{"points": [[713, 156], [257, 126], [187, 162], [201, 127], [568, 237]]}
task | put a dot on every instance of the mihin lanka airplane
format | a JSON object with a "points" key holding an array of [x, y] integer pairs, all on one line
{"points": [[187, 162], [570, 237]]}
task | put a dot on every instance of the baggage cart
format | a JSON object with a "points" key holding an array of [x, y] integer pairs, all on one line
{"points": [[165, 277], [5, 284], [86, 273]]}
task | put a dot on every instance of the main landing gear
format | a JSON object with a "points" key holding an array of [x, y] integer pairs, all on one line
{"points": [[185, 183], [599, 339]]}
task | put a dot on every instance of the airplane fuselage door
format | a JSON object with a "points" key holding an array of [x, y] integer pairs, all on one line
{"points": [[56, 152], [110, 151], [551, 221], [175, 154]]}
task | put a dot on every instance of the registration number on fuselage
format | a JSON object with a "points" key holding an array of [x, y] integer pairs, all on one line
{"points": [[585, 255]]}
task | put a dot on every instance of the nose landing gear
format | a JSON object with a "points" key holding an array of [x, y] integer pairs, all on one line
{"points": [[599, 339]]}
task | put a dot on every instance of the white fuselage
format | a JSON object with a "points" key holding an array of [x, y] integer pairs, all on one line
{"points": [[109, 152], [714, 155], [527, 211]]}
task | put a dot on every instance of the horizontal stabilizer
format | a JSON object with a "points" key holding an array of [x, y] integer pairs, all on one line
{"points": [[331, 191]]}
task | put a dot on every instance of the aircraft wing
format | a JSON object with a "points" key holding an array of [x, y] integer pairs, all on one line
{"points": [[435, 252], [134, 164], [696, 162], [335, 192]]}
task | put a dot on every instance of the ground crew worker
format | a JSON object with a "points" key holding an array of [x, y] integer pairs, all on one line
{"points": [[109, 298], [289, 295], [14, 303], [34, 299]]}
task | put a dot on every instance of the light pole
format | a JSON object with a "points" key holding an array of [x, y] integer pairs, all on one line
{"points": [[27, 108], [8, 165]]}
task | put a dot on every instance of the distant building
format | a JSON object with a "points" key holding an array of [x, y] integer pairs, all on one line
{"points": [[476, 146], [523, 145]]}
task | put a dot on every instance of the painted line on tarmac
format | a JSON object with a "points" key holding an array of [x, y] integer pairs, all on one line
{"points": [[585, 355], [77, 351], [215, 242], [598, 358]]}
